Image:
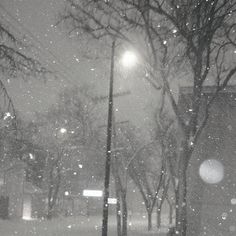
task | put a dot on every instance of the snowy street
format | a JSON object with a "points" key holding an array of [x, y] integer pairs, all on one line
{"points": [[71, 226]]}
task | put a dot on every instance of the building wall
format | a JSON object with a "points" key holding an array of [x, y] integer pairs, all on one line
{"points": [[210, 208], [14, 189], [24, 198]]}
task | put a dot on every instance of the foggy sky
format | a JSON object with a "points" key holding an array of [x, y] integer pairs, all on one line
{"points": [[59, 53]]}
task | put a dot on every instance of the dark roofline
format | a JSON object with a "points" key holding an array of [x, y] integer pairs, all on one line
{"points": [[208, 89]]}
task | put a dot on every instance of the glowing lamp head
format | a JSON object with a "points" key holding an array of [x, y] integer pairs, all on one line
{"points": [[63, 130], [129, 59]]}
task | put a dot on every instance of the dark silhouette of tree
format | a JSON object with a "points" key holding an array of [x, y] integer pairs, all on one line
{"points": [[192, 41], [141, 163], [165, 134], [67, 134], [15, 62]]}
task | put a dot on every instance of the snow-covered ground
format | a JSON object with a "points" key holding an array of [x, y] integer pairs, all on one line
{"points": [[70, 226]]}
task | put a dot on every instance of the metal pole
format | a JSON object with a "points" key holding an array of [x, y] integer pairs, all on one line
{"points": [[108, 149]]}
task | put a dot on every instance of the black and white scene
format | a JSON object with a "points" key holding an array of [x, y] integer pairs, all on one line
{"points": [[117, 117]]}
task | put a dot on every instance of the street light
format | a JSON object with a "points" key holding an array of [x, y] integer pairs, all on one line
{"points": [[129, 59], [60, 134], [63, 130]]}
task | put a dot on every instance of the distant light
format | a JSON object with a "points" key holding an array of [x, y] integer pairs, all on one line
{"points": [[26, 214], [174, 31], [92, 193], [211, 171], [129, 59], [6, 115], [80, 166], [224, 216], [63, 130], [233, 201], [66, 193], [24, 217], [112, 201], [31, 156]]}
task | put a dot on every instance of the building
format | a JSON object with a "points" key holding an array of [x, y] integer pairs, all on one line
{"points": [[18, 198], [212, 203]]}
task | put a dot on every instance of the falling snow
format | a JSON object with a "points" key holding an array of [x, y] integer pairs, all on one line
{"points": [[66, 140]]}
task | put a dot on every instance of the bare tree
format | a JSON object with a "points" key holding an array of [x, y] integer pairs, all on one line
{"points": [[165, 134], [147, 180], [120, 176], [121, 153], [188, 39], [66, 132], [133, 160], [140, 163], [54, 142], [15, 61]]}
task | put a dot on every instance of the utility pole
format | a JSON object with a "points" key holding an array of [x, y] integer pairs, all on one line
{"points": [[108, 148]]}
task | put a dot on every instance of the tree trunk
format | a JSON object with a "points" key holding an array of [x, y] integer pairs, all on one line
{"points": [[118, 214], [159, 216], [171, 215], [124, 213], [149, 213], [181, 201], [170, 211], [118, 189], [121, 206], [163, 197], [181, 206], [159, 210], [50, 193], [50, 212], [51, 206], [53, 193]]}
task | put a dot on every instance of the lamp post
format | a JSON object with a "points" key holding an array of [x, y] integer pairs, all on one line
{"points": [[108, 148], [128, 59]]}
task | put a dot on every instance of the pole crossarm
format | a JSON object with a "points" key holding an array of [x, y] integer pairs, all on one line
{"points": [[102, 98]]}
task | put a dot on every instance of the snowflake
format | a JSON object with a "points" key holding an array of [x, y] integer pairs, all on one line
{"points": [[224, 216]]}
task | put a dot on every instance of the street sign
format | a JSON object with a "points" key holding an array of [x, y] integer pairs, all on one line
{"points": [[92, 193], [112, 201]]}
